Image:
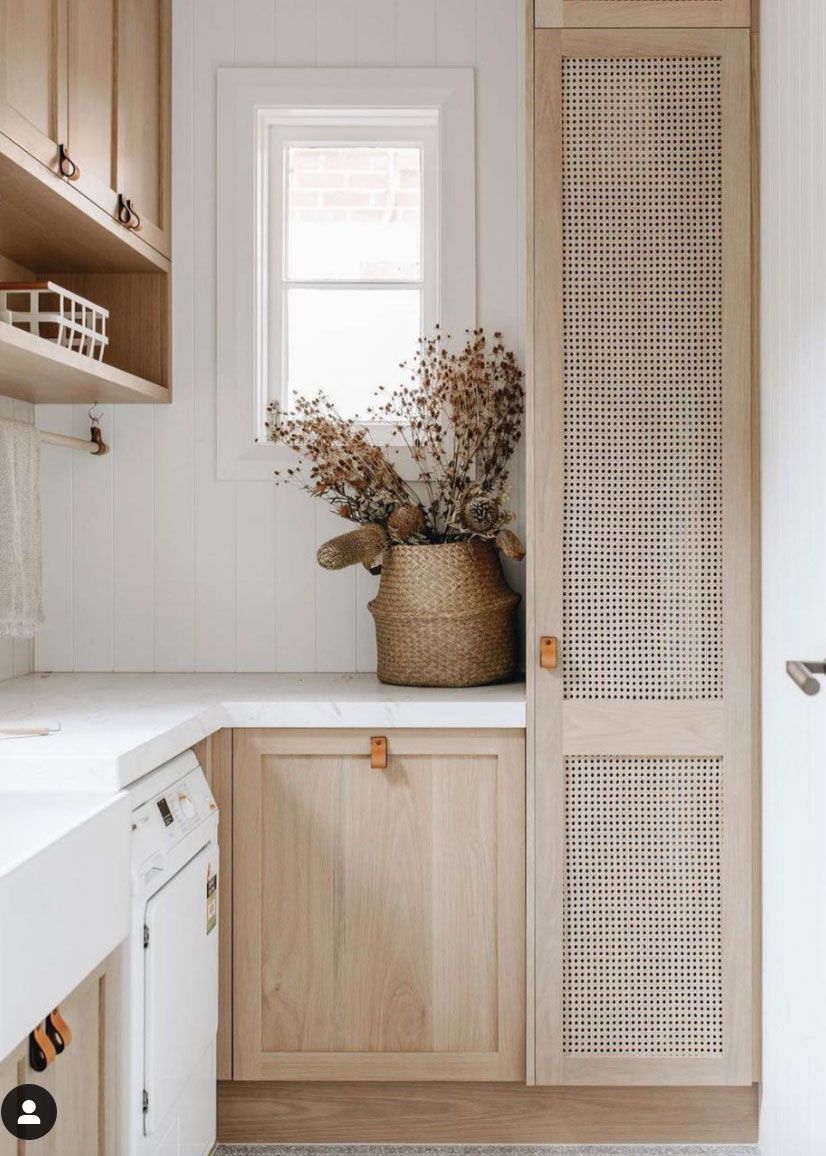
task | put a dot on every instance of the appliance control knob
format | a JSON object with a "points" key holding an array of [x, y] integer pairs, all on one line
{"points": [[187, 806]]}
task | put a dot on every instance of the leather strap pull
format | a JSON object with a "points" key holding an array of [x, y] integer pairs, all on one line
{"points": [[41, 1050], [58, 1031], [378, 753]]}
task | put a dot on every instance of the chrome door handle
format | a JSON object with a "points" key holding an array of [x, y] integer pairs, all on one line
{"points": [[804, 674]]}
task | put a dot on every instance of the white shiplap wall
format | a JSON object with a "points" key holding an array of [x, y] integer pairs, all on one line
{"points": [[150, 562], [16, 654]]}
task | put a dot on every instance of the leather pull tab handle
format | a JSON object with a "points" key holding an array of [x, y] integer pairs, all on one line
{"points": [[549, 652], [41, 1050], [58, 1031], [378, 753]]}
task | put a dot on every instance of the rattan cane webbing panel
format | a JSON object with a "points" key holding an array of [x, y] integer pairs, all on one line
{"points": [[643, 378], [642, 925]]}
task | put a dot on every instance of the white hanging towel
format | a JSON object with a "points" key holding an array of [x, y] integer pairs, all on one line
{"points": [[21, 610]]}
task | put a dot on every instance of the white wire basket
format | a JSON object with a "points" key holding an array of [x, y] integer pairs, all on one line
{"points": [[55, 314]]}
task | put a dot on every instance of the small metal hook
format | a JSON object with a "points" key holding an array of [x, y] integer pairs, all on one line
{"points": [[96, 433]]}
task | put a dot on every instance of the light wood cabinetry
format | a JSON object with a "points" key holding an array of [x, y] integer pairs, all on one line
{"points": [[143, 115], [650, 14], [379, 916], [92, 98], [642, 739], [91, 78], [82, 1079], [33, 76], [84, 171]]}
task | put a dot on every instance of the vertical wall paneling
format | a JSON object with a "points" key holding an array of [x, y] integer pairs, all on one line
{"points": [[133, 523], [295, 27], [336, 33], [500, 133], [256, 546], [295, 566], [415, 33], [335, 603], [456, 33], [93, 554], [229, 567], [375, 32], [296, 572], [174, 441], [22, 648], [336, 609], [256, 542], [215, 502], [255, 33], [54, 644], [16, 654], [367, 586]]}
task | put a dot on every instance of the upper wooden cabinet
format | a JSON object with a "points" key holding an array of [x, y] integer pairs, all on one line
{"points": [[379, 915], [84, 89], [84, 174], [90, 98], [33, 76], [143, 115]]}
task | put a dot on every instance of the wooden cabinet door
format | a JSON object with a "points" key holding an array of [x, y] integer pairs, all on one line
{"points": [[14, 1071], [643, 738], [33, 76], [379, 918], [82, 1079], [143, 158], [82, 1073], [90, 118]]}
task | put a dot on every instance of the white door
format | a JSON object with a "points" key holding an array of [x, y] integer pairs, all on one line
{"points": [[793, 35], [181, 1009]]}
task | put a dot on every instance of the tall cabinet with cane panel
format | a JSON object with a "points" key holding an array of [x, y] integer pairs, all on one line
{"points": [[642, 741]]}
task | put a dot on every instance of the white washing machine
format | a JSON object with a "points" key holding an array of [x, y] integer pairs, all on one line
{"points": [[169, 967]]}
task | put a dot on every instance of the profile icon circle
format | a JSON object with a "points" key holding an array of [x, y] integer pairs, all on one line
{"points": [[29, 1112]]}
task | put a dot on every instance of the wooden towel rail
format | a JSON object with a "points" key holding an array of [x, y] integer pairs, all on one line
{"points": [[95, 445]]}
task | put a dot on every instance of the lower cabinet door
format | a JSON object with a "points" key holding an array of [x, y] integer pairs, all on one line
{"points": [[83, 1078], [379, 926]]}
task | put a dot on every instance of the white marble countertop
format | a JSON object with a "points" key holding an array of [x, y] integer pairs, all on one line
{"points": [[116, 727]]}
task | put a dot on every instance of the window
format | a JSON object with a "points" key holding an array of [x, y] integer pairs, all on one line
{"points": [[353, 277], [345, 230]]}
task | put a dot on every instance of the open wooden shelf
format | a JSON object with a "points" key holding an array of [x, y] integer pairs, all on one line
{"points": [[39, 371]]}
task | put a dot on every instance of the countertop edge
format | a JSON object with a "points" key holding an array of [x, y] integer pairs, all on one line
{"points": [[35, 768]]}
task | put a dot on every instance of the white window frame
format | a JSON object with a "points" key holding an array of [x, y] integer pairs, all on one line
{"points": [[255, 105]]}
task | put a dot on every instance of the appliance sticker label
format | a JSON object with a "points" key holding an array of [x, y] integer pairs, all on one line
{"points": [[211, 900]]}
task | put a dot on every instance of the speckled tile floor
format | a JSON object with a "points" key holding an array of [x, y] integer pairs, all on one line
{"points": [[484, 1150]]}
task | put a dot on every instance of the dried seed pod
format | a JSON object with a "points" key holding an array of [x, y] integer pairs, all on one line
{"points": [[363, 545], [405, 522], [481, 512], [510, 545]]}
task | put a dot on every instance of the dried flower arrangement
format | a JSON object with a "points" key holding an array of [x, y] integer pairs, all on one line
{"points": [[459, 414]]}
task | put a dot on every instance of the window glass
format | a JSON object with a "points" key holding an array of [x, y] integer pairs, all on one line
{"points": [[348, 341], [353, 213]]}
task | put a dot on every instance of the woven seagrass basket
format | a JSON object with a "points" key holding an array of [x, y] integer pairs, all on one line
{"points": [[445, 616]]}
